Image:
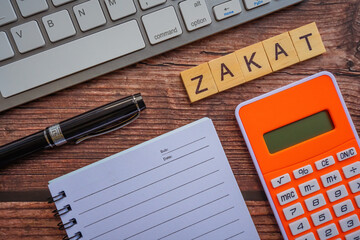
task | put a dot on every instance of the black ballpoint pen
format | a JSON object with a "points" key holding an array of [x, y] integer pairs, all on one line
{"points": [[93, 123]]}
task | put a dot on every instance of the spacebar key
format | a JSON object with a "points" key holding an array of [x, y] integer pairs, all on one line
{"points": [[70, 58]]}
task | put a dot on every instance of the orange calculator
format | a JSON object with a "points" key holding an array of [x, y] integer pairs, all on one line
{"points": [[306, 151]]}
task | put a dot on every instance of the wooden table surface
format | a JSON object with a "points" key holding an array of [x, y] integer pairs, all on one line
{"points": [[24, 212]]}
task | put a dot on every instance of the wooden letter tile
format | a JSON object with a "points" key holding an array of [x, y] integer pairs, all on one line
{"points": [[253, 61], [199, 82], [307, 41], [226, 72], [280, 51]]}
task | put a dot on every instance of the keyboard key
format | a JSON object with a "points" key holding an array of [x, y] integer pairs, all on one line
{"points": [[357, 199], [146, 4], [331, 178], [293, 211], [302, 172], [7, 13], [31, 7], [299, 226], [346, 154], [315, 202], [349, 223], [227, 9], [324, 163], [27, 36], [81, 58], [309, 187], [60, 2], [6, 50], [195, 14], [343, 208], [328, 232], [118, 10], [279, 181], [309, 236], [287, 196], [337, 193], [321, 217], [353, 236], [89, 15], [59, 26], [352, 170], [162, 25], [250, 4], [355, 185]]}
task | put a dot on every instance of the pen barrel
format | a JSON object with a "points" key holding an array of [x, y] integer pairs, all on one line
{"points": [[22, 147]]}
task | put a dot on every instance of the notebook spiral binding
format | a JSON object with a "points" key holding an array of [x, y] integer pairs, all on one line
{"points": [[62, 211]]}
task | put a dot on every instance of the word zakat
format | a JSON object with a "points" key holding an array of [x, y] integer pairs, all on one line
{"points": [[253, 62]]}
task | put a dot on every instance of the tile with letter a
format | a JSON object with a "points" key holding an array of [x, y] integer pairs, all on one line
{"points": [[307, 41], [253, 61], [287, 196], [299, 226], [309, 187], [315, 202], [346, 154], [327, 232], [293, 211], [309, 236], [349, 223], [331, 178], [324, 163], [281, 180], [226, 72], [321, 217], [280, 51], [337, 193], [343, 208], [355, 185], [199, 82], [353, 236], [352, 170]]}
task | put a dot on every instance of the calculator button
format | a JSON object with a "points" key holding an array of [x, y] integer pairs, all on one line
{"points": [[299, 226], [301, 172], [351, 170], [343, 208], [337, 193], [287, 196], [349, 223], [328, 232], [309, 187], [279, 181], [315, 202], [357, 199], [353, 236], [331, 178], [321, 217], [323, 163], [293, 211], [346, 154], [309, 236], [355, 185]]}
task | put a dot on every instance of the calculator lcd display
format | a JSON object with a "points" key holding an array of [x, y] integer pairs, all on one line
{"points": [[299, 131]]}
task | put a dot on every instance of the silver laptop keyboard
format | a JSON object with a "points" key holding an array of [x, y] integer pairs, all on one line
{"points": [[72, 41]]}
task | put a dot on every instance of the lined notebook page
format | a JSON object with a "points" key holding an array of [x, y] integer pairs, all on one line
{"points": [[176, 186]]}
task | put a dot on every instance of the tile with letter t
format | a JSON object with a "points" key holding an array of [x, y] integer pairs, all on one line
{"points": [[253, 61], [307, 41], [199, 82], [280, 51], [226, 72]]}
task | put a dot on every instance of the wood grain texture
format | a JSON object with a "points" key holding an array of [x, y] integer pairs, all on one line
{"points": [[158, 80]]}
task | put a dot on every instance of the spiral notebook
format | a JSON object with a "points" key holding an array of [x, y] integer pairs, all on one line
{"points": [[176, 186]]}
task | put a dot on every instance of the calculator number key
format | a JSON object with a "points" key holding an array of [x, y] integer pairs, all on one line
{"points": [[355, 185], [353, 236], [301, 172], [309, 187], [331, 178], [321, 217], [349, 223], [351, 170], [299, 226], [343, 208], [293, 211], [337, 193], [328, 232], [315, 202], [279, 181], [309, 236], [346, 154], [287, 196]]}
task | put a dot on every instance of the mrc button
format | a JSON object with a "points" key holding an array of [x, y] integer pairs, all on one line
{"points": [[287, 196], [348, 153]]}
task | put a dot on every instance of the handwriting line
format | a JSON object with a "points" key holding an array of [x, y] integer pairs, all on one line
{"points": [[184, 146]]}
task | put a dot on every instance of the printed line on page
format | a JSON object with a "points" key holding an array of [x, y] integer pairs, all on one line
{"points": [[184, 146], [216, 229], [234, 235]]}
